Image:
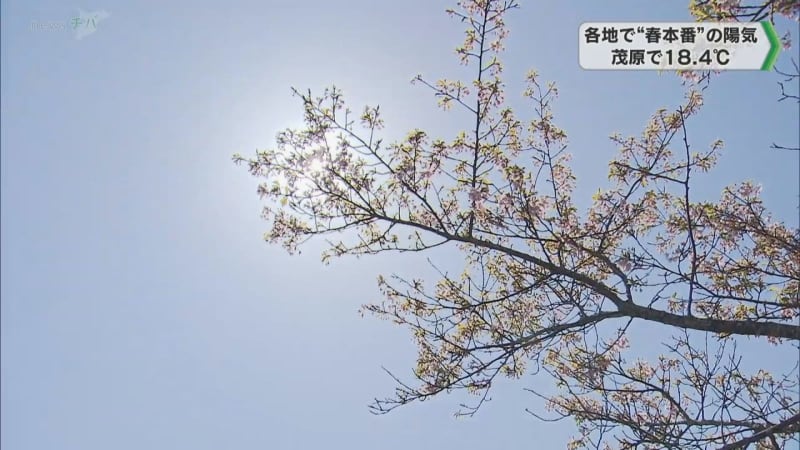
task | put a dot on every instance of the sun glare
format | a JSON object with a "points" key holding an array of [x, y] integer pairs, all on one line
{"points": [[316, 166], [305, 182]]}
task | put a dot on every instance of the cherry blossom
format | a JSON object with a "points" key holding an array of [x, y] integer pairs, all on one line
{"points": [[547, 287]]}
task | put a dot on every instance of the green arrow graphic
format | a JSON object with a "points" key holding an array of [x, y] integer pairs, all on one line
{"points": [[774, 45]]}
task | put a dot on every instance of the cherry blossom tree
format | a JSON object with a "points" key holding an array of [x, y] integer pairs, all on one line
{"points": [[745, 11], [547, 288]]}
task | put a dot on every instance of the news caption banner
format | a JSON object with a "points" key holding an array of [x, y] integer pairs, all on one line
{"points": [[678, 46]]}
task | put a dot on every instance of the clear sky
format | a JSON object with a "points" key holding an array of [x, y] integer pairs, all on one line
{"points": [[140, 307]]}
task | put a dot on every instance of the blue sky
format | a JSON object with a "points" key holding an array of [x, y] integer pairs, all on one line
{"points": [[140, 307]]}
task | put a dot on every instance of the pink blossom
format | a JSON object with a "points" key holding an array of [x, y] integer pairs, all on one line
{"points": [[506, 202], [786, 41], [625, 264], [749, 190], [427, 173], [476, 195]]}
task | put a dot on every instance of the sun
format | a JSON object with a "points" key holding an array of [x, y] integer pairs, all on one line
{"points": [[316, 166], [306, 175], [305, 182]]}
